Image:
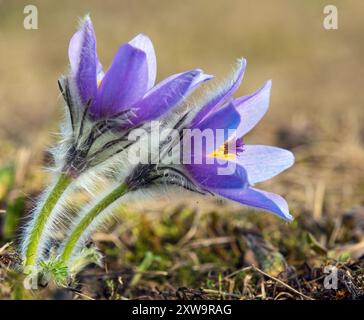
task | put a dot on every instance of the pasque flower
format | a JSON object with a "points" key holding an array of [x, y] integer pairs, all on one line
{"points": [[233, 118], [252, 163], [123, 98], [102, 107]]}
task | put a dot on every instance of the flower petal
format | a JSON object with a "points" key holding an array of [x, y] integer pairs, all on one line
{"points": [[83, 60], [259, 199], [252, 108], [224, 121], [167, 94], [225, 93], [143, 43], [264, 162], [215, 175], [124, 83], [99, 72]]}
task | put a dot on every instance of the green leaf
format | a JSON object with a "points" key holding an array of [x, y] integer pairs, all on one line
{"points": [[315, 245], [14, 212], [7, 175]]}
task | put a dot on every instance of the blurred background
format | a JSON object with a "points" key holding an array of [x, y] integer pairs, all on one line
{"points": [[316, 110]]}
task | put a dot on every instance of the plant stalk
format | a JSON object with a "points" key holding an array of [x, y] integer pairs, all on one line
{"points": [[31, 252], [81, 227]]}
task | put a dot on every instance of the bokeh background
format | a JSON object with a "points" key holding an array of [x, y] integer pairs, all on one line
{"points": [[317, 110]]}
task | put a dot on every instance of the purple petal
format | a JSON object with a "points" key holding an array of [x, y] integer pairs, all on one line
{"points": [[264, 162], [259, 199], [143, 43], [227, 91], [168, 94], [252, 108], [224, 121], [83, 60], [99, 72], [124, 83], [210, 176]]}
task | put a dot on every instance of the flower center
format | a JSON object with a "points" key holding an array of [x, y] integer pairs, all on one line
{"points": [[227, 150]]}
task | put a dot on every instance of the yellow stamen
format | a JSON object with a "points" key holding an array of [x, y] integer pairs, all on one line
{"points": [[222, 152]]}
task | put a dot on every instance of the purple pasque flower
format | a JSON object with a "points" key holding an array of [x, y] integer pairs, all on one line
{"points": [[200, 163], [129, 81], [253, 163], [103, 106]]}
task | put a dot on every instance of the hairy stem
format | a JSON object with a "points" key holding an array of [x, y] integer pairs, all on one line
{"points": [[35, 234], [77, 232]]}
